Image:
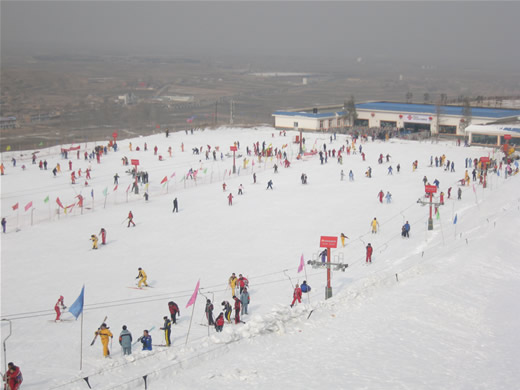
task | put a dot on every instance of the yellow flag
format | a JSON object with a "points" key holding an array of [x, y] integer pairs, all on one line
{"points": [[8, 148]]}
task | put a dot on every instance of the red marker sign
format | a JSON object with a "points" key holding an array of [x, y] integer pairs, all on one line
{"points": [[233, 148], [328, 242], [484, 159], [134, 162], [430, 189]]}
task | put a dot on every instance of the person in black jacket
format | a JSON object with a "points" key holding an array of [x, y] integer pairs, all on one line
{"points": [[167, 330], [209, 312]]}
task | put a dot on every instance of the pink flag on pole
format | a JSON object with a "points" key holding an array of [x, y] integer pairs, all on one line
{"points": [[173, 174], [128, 187], [474, 190], [194, 295], [28, 206], [302, 264], [58, 201], [115, 188], [15, 207]]}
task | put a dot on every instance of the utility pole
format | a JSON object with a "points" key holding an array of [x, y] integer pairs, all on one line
{"points": [[430, 190]]}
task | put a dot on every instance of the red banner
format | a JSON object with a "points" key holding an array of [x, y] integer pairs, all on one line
{"points": [[134, 162]]}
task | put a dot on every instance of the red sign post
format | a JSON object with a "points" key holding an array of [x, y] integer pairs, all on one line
{"points": [[430, 190], [134, 162], [233, 149], [485, 162], [328, 242]]}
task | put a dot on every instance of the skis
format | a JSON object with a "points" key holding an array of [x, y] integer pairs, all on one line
{"points": [[139, 288], [95, 337], [140, 338]]}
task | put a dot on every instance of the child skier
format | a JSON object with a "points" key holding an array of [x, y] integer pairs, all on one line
{"points": [[58, 307], [167, 330], [219, 322], [297, 295], [174, 310], [142, 276], [94, 240], [105, 333], [146, 340], [369, 253]]}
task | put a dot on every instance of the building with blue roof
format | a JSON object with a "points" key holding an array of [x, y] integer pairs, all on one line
{"points": [[444, 119]]}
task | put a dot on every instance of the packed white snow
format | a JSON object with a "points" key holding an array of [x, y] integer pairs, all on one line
{"points": [[436, 311]]}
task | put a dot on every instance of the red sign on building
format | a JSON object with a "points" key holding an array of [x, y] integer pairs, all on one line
{"points": [[430, 189], [328, 242], [134, 162], [507, 137], [233, 148]]}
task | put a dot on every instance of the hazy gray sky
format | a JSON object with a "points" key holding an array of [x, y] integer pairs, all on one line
{"points": [[437, 30]]}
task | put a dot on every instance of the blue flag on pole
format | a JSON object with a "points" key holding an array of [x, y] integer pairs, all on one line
{"points": [[455, 219], [77, 307]]}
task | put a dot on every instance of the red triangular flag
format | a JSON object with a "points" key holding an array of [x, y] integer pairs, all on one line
{"points": [[115, 188], [128, 187], [164, 180], [28, 206], [59, 202], [15, 207]]}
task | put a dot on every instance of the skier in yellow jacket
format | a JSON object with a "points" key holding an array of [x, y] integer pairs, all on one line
{"points": [[105, 333], [375, 225], [233, 283], [94, 240], [143, 277]]}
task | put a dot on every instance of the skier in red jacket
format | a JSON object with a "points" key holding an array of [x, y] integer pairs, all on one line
{"points": [[230, 199], [130, 219], [242, 282], [297, 295], [237, 310], [381, 195], [369, 253], [103, 234], [174, 310], [13, 377], [219, 322], [59, 306]]}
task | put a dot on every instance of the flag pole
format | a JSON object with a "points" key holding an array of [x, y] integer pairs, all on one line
{"points": [[81, 344], [191, 319], [308, 293]]}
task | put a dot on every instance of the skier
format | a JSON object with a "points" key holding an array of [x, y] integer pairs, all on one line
{"points": [[297, 295], [230, 199], [233, 283], [175, 206], [240, 190], [425, 180], [130, 219], [103, 234], [398, 167], [242, 282], [146, 196], [146, 340], [305, 287], [237, 310], [167, 330], [369, 253], [142, 276], [442, 197], [94, 240], [406, 230], [342, 175], [374, 225], [381, 195], [58, 307], [351, 176], [219, 322], [390, 170], [174, 310], [449, 193], [13, 377], [388, 197], [343, 240], [269, 185], [224, 187], [244, 299], [227, 310], [4, 224], [459, 193], [104, 332], [254, 178], [209, 312], [125, 340]]}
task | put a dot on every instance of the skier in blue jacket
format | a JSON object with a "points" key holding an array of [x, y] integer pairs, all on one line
{"points": [[305, 287], [146, 340]]}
